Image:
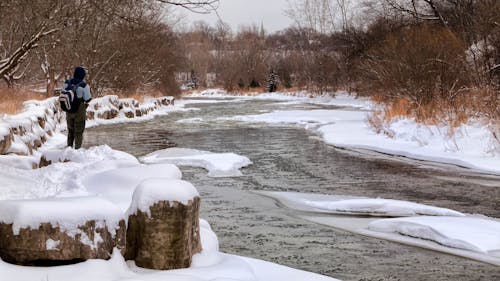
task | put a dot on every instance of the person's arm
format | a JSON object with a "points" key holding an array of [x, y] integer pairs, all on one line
{"points": [[87, 96]]}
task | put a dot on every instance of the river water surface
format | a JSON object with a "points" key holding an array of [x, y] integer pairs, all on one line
{"points": [[288, 158]]}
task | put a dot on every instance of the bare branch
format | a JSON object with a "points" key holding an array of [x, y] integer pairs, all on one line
{"points": [[195, 6], [9, 67]]}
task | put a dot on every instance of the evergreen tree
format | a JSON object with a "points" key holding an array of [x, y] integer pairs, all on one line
{"points": [[195, 81], [254, 83]]}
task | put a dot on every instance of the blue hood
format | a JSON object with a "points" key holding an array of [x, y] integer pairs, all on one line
{"points": [[79, 73]]}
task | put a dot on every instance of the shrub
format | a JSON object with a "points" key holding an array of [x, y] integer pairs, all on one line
{"points": [[419, 63]]}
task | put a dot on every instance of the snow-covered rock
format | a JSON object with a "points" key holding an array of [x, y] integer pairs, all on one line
{"points": [[163, 224], [59, 229], [25, 132]]}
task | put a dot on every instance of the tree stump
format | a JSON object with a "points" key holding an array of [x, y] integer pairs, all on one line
{"points": [[163, 229]]}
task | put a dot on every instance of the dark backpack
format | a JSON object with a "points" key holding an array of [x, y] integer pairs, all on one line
{"points": [[68, 99]]}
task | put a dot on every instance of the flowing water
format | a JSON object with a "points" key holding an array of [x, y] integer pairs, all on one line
{"points": [[288, 158]]}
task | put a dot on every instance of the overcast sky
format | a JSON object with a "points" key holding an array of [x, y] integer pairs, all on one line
{"points": [[247, 12]]}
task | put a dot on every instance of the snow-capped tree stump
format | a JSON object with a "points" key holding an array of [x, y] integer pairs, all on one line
{"points": [[163, 225], [59, 231]]}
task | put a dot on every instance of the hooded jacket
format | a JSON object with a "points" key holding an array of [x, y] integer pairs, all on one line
{"points": [[83, 91]]}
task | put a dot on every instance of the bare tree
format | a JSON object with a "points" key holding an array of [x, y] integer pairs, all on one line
{"points": [[23, 25]]}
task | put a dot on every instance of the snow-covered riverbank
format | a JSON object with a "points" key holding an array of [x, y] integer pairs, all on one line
{"points": [[473, 145]]}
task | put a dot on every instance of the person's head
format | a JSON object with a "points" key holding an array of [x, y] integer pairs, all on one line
{"points": [[79, 73]]}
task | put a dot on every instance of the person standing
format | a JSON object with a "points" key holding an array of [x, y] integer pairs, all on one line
{"points": [[76, 120]]}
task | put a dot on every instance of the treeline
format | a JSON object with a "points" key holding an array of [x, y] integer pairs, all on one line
{"points": [[127, 46], [422, 57], [298, 57]]}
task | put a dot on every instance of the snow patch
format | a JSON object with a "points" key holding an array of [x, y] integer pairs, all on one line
{"points": [[154, 190], [52, 244], [217, 164], [118, 185], [345, 204], [468, 233], [382, 207], [66, 213]]}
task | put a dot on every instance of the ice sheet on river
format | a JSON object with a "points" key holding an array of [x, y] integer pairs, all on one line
{"points": [[472, 236], [217, 164], [343, 204]]}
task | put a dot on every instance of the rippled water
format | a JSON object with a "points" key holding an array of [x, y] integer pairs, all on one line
{"points": [[287, 158]]}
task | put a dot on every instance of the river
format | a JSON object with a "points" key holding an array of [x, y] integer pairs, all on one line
{"points": [[288, 158]]}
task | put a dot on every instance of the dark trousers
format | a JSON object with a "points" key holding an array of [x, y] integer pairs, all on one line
{"points": [[76, 125]]}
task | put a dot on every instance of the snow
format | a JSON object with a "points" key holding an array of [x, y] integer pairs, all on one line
{"points": [[61, 179], [341, 99], [469, 233], [343, 204], [154, 190], [472, 236], [473, 145], [382, 206], [52, 244], [118, 185], [77, 211], [217, 164]]}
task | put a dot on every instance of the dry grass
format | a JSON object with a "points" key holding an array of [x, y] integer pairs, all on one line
{"points": [[11, 100], [468, 104]]}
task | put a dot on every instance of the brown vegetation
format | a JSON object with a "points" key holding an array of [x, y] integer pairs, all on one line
{"points": [[12, 99]]}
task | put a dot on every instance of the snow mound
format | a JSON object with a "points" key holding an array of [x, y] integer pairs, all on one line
{"points": [[63, 177], [217, 164], [382, 206], [154, 190], [468, 233], [66, 213], [118, 185]]}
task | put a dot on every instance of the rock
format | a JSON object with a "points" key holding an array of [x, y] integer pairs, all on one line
{"points": [[6, 142], [165, 101], [41, 122], [36, 143], [55, 241], [167, 234], [108, 114], [138, 113], [129, 114], [90, 115], [44, 162]]}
